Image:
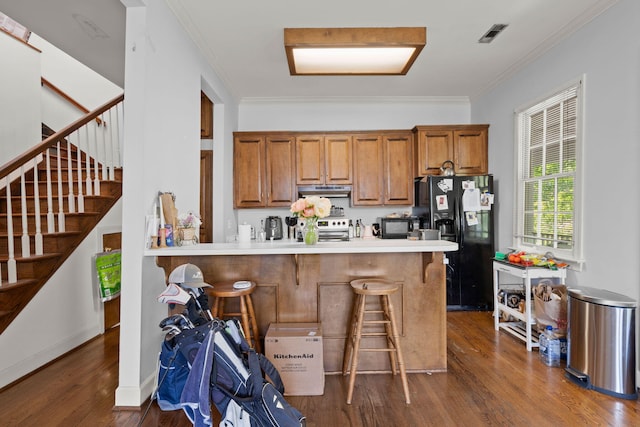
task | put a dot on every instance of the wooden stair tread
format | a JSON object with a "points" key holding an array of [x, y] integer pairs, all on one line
{"points": [[7, 287], [32, 258]]}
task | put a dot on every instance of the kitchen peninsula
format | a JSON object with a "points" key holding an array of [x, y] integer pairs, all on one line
{"points": [[310, 283]]}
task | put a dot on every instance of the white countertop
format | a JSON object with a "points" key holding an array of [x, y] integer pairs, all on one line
{"points": [[279, 247]]}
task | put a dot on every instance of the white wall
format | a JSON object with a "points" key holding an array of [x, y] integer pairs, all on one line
{"points": [[75, 79], [84, 85], [607, 52], [351, 113], [164, 74], [20, 92]]}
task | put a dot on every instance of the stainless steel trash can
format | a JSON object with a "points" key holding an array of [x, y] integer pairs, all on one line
{"points": [[601, 345]]}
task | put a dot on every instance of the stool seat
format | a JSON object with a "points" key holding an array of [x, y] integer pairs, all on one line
{"points": [[223, 290], [226, 290], [380, 322], [373, 287]]}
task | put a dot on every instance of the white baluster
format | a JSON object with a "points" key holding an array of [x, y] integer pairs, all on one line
{"points": [[71, 195], [87, 157], [39, 246], [26, 244], [79, 166], [119, 137], [12, 270], [61, 218], [112, 176], [105, 171], [96, 165], [51, 227]]}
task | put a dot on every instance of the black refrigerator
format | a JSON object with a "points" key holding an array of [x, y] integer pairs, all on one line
{"points": [[461, 207]]}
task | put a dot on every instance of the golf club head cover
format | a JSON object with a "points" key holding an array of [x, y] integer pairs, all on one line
{"points": [[174, 294]]}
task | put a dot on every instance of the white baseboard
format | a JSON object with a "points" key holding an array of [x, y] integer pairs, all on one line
{"points": [[31, 363], [135, 396]]}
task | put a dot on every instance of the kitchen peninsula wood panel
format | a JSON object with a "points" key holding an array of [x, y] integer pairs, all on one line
{"points": [[315, 288]]}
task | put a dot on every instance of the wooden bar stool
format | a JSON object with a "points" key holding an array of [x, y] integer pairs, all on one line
{"points": [[222, 290], [383, 317]]}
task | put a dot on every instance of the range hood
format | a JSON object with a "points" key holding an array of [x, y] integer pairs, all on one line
{"points": [[329, 191]]}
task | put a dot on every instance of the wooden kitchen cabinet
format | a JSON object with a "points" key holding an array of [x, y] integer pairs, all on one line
{"points": [[398, 169], [249, 171], [263, 168], [323, 159], [206, 117], [383, 169], [280, 160], [367, 170], [465, 145]]}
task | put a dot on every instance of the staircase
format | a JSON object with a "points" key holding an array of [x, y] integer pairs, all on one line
{"points": [[51, 198]]}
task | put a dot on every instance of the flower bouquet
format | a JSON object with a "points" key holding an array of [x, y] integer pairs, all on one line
{"points": [[311, 208]]}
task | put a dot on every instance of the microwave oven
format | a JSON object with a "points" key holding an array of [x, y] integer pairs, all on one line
{"points": [[395, 228]]}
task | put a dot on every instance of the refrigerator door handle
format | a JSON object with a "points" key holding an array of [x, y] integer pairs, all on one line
{"points": [[459, 223]]}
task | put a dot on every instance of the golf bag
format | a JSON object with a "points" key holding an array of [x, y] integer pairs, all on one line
{"points": [[239, 389], [173, 371], [220, 367]]}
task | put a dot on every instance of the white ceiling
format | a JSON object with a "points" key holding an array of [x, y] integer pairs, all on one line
{"points": [[243, 39]]}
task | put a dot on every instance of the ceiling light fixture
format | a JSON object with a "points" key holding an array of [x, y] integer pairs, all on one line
{"points": [[353, 51]]}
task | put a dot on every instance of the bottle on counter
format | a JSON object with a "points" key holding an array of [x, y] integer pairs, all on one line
{"points": [[351, 231], [358, 229], [549, 347]]}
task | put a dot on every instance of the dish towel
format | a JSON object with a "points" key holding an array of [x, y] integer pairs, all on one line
{"points": [[195, 396]]}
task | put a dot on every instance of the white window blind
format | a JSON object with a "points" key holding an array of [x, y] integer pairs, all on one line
{"points": [[548, 175]]}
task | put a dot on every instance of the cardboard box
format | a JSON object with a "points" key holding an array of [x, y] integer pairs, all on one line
{"points": [[295, 349]]}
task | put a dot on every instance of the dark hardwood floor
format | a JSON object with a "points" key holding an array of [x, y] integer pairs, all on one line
{"points": [[491, 380]]}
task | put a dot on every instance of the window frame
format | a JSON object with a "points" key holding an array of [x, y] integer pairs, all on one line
{"points": [[573, 256]]}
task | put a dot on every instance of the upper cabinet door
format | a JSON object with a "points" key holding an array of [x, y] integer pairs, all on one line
{"points": [[206, 117], [338, 159], [465, 145], [398, 169], [248, 171], [434, 147], [280, 162], [368, 188], [309, 159], [471, 151], [323, 159]]}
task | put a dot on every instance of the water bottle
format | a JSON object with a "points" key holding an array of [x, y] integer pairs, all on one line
{"points": [[549, 347]]}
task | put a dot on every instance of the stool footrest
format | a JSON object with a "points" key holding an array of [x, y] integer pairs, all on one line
{"points": [[373, 334]]}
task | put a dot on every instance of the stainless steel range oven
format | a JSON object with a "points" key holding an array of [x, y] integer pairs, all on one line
{"points": [[330, 229]]}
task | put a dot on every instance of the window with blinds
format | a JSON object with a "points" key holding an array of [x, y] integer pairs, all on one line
{"points": [[549, 141]]}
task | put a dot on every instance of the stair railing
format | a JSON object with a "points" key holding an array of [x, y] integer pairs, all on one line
{"points": [[95, 140]]}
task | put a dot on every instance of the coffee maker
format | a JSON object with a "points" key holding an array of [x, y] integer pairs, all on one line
{"points": [[273, 227], [291, 222]]}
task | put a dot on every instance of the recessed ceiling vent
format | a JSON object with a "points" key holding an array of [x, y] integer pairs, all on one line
{"points": [[492, 33]]}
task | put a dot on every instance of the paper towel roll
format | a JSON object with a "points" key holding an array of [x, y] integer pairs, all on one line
{"points": [[244, 233]]}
